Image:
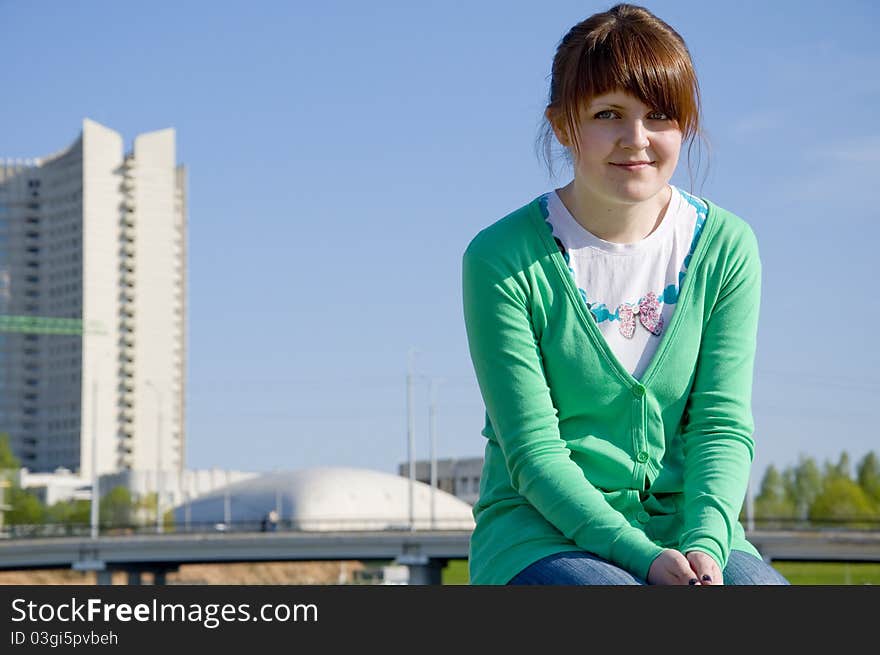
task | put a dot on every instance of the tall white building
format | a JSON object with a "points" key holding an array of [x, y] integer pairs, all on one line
{"points": [[93, 305]]}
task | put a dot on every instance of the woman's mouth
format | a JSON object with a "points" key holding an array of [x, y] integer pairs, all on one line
{"points": [[633, 166]]}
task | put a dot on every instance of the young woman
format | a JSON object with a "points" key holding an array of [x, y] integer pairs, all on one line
{"points": [[612, 326]]}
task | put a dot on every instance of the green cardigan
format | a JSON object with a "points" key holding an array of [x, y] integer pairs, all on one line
{"points": [[580, 454]]}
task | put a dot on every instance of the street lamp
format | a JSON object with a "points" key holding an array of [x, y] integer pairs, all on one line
{"points": [[411, 430], [432, 430], [158, 456], [94, 507]]}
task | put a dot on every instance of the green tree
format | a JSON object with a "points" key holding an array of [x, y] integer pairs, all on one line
{"points": [[843, 468], [8, 465], [7, 459], [116, 508], [70, 512], [145, 507], [26, 508], [868, 476], [842, 499], [806, 485], [772, 501]]}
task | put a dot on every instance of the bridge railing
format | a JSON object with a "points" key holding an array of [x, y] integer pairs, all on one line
{"points": [[792, 523], [49, 530]]}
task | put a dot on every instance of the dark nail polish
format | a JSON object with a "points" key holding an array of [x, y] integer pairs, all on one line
{"points": [[707, 578], [693, 581]]}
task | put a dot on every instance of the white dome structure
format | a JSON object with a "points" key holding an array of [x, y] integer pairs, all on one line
{"points": [[328, 498]]}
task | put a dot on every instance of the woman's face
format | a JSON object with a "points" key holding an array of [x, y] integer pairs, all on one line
{"points": [[628, 150]]}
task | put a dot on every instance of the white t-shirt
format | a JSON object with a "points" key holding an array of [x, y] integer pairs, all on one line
{"points": [[631, 289]]}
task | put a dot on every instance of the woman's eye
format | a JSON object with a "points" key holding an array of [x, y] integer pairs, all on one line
{"points": [[610, 113]]}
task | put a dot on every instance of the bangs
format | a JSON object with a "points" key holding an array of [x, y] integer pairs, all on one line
{"points": [[627, 49], [657, 70]]}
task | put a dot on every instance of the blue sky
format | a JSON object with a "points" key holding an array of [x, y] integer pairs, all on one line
{"points": [[342, 154]]}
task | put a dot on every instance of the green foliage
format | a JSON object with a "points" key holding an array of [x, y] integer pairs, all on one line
{"points": [[26, 508], [116, 508], [842, 500], [455, 572], [806, 485], [841, 469], [826, 495], [70, 512], [145, 509], [868, 476], [774, 500], [7, 459]]}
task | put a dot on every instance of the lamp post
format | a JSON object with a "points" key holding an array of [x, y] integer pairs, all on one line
{"points": [[411, 434], [158, 456], [94, 503], [432, 429]]}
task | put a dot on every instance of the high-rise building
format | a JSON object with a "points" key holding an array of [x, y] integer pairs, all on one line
{"points": [[93, 304]]}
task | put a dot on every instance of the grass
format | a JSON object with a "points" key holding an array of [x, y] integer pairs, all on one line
{"points": [[829, 573], [798, 573], [456, 572]]}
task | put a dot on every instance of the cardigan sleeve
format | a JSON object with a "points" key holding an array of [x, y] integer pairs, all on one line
{"points": [[508, 363], [717, 439]]}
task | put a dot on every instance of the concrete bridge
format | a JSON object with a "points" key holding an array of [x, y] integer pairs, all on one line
{"points": [[425, 552]]}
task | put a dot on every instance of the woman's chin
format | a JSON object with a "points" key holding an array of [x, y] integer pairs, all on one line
{"points": [[633, 194]]}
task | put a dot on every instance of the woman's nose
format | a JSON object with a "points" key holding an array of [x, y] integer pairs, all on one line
{"points": [[634, 135]]}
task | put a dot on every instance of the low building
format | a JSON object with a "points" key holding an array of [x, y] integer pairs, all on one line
{"points": [[326, 498], [51, 488], [62, 484], [457, 476], [175, 487]]}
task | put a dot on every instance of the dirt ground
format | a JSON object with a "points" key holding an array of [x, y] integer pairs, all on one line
{"points": [[256, 573]]}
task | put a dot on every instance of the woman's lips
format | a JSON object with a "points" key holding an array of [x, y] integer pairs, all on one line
{"points": [[634, 166]]}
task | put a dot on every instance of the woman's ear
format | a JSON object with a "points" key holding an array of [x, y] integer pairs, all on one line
{"points": [[559, 130]]}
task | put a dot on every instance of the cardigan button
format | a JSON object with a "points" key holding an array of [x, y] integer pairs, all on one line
{"points": [[642, 457], [638, 391], [643, 517]]}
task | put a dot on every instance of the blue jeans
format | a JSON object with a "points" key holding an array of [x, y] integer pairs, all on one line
{"points": [[582, 568]]}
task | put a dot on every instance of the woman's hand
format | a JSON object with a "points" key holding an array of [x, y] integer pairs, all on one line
{"points": [[705, 568], [671, 567]]}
